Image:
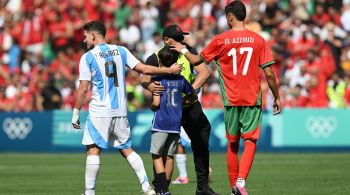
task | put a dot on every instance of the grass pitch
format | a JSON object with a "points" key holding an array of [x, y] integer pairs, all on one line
{"points": [[277, 173]]}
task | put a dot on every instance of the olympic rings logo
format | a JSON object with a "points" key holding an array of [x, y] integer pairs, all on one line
{"points": [[17, 128], [321, 126]]}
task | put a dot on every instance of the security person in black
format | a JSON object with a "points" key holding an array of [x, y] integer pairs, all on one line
{"points": [[194, 121]]}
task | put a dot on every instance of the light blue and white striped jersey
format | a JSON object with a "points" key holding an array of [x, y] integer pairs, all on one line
{"points": [[101, 66]]}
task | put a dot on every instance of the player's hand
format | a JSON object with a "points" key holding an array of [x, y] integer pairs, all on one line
{"points": [[177, 47], [277, 106], [157, 93], [75, 118], [175, 68], [155, 87], [189, 99]]}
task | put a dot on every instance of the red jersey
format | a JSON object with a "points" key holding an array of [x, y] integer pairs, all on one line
{"points": [[239, 55]]}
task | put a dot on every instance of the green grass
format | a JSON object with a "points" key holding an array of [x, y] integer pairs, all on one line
{"points": [[291, 173]]}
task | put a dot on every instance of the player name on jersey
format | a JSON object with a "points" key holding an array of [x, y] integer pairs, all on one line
{"points": [[239, 40], [110, 53], [172, 83]]}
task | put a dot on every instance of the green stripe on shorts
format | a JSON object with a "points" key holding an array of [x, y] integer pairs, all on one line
{"points": [[242, 119]]}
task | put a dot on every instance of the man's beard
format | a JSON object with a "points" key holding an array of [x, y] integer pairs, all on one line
{"points": [[89, 46]]}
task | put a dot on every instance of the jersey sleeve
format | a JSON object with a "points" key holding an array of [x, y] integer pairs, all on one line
{"points": [[266, 58], [84, 67], [211, 52], [187, 87], [131, 61]]}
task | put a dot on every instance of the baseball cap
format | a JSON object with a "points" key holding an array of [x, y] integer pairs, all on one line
{"points": [[174, 31]]}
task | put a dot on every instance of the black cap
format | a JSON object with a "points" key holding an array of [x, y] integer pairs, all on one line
{"points": [[173, 31]]}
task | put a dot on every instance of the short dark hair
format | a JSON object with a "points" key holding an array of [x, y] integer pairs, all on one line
{"points": [[167, 57], [237, 8], [95, 26]]}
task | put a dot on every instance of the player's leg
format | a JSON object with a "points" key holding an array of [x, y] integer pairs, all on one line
{"points": [[120, 131], [198, 129], [232, 134], [250, 119], [158, 143], [138, 167], [92, 168], [95, 137]]}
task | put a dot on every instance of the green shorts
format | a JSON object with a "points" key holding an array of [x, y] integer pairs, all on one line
{"points": [[242, 121]]}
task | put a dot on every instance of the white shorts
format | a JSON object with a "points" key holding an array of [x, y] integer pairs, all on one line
{"points": [[104, 130]]}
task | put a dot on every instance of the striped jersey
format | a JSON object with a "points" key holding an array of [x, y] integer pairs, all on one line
{"points": [[168, 117], [104, 66]]}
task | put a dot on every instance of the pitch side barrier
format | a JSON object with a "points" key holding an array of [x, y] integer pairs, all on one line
{"points": [[299, 130]]}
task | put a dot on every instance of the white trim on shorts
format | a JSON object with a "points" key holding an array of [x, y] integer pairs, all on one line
{"points": [[102, 131]]}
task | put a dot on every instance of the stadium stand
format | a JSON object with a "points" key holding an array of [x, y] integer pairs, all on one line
{"points": [[41, 45]]}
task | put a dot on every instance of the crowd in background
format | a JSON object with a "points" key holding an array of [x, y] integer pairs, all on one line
{"points": [[41, 44]]}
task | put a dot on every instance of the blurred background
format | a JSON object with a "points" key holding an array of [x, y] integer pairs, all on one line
{"points": [[41, 44]]}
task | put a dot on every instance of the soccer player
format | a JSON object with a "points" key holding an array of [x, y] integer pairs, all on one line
{"points": [[239, 53], [103, 67], [194, 120], [167, 120]]}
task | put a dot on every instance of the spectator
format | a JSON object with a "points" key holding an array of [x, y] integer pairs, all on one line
{"points": [[336, 91], [52, 98], [33, 32], [130, 29], [347, 91], [152, 45], [297, 97], [121, 14], [149, 14]]}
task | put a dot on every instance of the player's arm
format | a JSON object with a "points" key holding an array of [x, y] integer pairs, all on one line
{"points": [[81, 94], [146, 80], [266, 59], [151, 70], [133, 63], [271, 80], [193, 58], [79, 102], [155, 102], [84, 77]]}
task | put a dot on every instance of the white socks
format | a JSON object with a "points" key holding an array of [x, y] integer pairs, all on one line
{"points": [[136, 163], [181, 165], [240, 182], [91, 172]]}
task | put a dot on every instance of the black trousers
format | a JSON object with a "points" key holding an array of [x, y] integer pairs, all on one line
{"points": [[198, 129]]}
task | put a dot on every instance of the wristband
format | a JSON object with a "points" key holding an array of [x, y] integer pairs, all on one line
{"points": [[75, 117], [184, 50], [76, 111]]}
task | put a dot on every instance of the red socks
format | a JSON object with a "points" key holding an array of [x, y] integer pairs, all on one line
{"points": [[241, 170], [232, 161], [247, 158]]}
